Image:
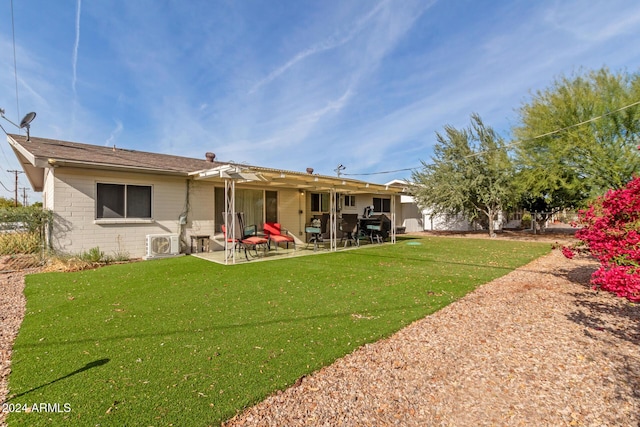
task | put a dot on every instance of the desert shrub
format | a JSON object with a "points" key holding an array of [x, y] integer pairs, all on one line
{"points": [[93, 255], [84, 260]]}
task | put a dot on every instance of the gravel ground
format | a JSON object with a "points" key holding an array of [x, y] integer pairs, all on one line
{"points": [[12, 305], [535, 347]]}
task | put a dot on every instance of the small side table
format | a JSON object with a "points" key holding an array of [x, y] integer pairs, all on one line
{"points": [[316, 236], [199, 243]]}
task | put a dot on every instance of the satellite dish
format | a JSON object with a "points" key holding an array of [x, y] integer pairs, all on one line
{"points": [[28, 118]]}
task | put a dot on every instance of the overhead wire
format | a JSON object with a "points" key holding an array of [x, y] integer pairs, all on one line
{"points": [[5, 187], [15, 73], [379, 173], [15, 61], [593, 119]]}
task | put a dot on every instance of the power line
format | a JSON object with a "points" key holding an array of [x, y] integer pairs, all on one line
{"points": [[15, 62], [593, 119], [16, 172], [24, 196], [5, 187], [380, 173], [4, 154]]}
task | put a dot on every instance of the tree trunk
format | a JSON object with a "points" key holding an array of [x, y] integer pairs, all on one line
{"points": [[490, 213]]}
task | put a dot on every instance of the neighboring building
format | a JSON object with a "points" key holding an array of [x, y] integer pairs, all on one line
{"points": [[115, 198], [414, 218]]}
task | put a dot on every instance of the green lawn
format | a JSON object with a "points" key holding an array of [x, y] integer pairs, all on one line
{"points": [[184, 341]]}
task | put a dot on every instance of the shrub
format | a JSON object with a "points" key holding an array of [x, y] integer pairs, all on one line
{"points": [[32, 218], [20, 242], [611, 233], [92, 258], [22, 229], [94, 255]]}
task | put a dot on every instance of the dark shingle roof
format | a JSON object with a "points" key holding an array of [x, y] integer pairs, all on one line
{"points": [[44, 148]]}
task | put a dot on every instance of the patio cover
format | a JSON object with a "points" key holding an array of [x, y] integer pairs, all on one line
{"points": [[231, 174]]}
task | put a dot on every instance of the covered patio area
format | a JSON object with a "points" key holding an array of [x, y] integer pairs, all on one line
{"points": [[311, 206]]}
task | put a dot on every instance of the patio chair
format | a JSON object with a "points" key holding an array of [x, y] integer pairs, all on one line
{"points": [[275, 233], [245, 238], [349, 228], [314, 233], [250, 238], [236, 243]]}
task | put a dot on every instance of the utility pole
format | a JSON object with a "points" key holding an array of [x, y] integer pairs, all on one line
{"points": [[24, 196], [16, 172]]}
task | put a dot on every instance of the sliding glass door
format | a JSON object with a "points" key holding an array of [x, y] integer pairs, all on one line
{"points": [[258, 206]]}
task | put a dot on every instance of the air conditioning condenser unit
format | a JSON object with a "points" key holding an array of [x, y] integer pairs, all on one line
{"points": [[162, 245]]}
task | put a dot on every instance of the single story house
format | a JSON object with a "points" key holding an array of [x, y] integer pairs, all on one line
{"points": [[415, 218], [119, 199]]}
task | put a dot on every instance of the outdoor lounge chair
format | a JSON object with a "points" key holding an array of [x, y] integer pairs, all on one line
{"points": [[275, 233]]}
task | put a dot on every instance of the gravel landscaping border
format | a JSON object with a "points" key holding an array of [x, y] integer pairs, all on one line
{"points": [[12, 306]]}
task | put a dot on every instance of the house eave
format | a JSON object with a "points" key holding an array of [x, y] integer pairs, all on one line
{"points": [[289, 179], [110, 167], [33, 169]]}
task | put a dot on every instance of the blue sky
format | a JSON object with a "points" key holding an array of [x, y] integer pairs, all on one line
{"points": [[294, 84]]}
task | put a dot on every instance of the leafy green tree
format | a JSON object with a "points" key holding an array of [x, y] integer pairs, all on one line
{"points": [[578, 138], [470, 174], [7, 203]]}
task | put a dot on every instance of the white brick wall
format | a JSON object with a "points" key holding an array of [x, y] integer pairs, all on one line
{"points": [[71, 194]]}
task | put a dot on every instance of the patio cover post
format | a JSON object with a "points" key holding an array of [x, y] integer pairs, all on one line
{"points": [[230, 219], [393, 218], [333, 221]]}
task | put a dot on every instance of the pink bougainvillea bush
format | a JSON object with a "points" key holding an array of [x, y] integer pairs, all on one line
{"points": [[611, 233]]}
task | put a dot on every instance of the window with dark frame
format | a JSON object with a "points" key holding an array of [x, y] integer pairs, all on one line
{"points": [[349, 201], [123, 201], [381, 205], [319, 202]]}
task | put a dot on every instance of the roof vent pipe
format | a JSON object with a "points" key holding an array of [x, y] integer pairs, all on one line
{"points": [[210, 157]]}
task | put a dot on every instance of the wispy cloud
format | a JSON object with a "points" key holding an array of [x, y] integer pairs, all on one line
{"points": [[114, 134], [76, 45], [291, 85], [594, 23], [335, 40]]}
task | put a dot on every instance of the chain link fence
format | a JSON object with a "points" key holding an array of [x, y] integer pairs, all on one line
{"points": [[23, 237]]}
